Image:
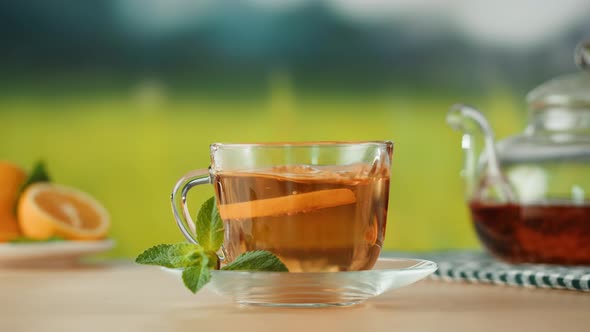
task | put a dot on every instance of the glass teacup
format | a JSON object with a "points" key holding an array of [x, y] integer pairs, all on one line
{"points": [[318, 206]]}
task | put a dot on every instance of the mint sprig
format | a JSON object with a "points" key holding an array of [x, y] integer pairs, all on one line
{"points": [[38, 174], [197, 260]]}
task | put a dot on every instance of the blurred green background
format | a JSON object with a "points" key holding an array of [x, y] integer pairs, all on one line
{"points": [[121, 98]]}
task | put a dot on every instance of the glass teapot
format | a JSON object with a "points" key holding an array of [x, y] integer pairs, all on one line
{"points": [[529, 194]]}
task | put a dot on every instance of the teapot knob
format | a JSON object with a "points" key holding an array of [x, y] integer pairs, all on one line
{"points": [[582, 55]]}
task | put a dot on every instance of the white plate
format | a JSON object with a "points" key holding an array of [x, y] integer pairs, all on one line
{"points": [[50, 252], [313, 289]]}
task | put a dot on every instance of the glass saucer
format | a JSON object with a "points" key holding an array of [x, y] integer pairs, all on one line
{"points": [[314, 289]]}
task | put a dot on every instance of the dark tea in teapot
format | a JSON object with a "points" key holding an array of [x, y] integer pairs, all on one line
{"points": [[534, 233]]}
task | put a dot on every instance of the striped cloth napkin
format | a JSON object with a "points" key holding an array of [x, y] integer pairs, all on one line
{"points": [[479, 267]]}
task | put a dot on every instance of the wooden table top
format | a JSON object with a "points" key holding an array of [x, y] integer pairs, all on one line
{"points": [[127, 297]]}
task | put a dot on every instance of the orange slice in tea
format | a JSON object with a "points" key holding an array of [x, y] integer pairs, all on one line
{"points": [[286, 205], [46, 210]]}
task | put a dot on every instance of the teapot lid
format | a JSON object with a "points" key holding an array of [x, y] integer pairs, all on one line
{"points": [[572, 91]]}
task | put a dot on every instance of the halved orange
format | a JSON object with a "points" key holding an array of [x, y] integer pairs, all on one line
{"points": [[46, 210]]}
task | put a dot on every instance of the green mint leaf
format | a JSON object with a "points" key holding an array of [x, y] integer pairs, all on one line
{"points": [[209, 226], [172, 255], [38, 174], [24, 239], [259, 260], [197, 276]]}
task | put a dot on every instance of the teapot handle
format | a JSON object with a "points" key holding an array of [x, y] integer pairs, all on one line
{"points": [[582, 55], [470, 121]]}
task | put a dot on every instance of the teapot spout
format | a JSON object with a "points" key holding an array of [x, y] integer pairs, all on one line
{"points": [[484, 179]]}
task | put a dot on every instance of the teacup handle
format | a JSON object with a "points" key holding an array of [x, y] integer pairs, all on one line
{"points": [[179, 205]]}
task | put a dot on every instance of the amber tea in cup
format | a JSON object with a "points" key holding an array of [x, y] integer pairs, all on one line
{"points": [[325, 210]]}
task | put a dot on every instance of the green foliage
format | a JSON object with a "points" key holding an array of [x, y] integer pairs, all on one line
{"points": [[133, 177]]}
